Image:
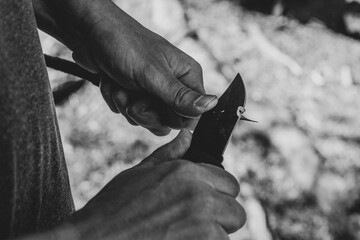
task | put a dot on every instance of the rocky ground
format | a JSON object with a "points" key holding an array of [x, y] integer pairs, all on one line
{"points": [[298, 167]]}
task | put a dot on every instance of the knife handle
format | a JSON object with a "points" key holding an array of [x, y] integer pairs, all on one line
{"points": [[72, 68], [197, 156]]}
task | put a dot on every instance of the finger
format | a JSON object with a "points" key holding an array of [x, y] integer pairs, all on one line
{"points": [[152, 113], [121, 99], [184, 100], [143, 114], [226, 211], [143, 110], [149, 112], [219, 179], [116, 98], [176, 121], [106, 89], [193, 229], [173, 150], [215, 177]]}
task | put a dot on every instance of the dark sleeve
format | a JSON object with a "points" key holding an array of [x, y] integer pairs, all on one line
{"points": [[34, 186]]}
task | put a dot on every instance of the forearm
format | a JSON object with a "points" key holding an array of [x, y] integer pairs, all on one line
{"points": [[60, 233], [69, 21]]}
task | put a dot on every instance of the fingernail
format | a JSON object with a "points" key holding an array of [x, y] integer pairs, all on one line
{"points": [[130, 117], [205, 102]]}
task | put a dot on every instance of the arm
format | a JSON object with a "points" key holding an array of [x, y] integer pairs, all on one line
{"points": [[148, 80], [49, 20]]}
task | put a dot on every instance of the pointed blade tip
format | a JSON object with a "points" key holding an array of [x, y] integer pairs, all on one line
{"points": [[243, 118], [238, 77]]}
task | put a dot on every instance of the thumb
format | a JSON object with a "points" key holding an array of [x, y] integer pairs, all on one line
{"points": [[172, 150], [184, 100]]}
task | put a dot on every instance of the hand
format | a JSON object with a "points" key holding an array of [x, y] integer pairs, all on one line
{"points": [[164, 198], [148, 80]]}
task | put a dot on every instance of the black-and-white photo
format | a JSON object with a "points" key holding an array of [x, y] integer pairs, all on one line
{"points": [[180, 119]]}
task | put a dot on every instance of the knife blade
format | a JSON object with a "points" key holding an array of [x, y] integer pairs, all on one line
{"points": [[214, 129]]}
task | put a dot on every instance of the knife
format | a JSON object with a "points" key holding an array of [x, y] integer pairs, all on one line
{"points": [[214, 129]]}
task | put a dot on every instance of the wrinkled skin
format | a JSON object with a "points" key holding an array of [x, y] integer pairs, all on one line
{"points": [[164, 197], [147, 79], [157, 86]]}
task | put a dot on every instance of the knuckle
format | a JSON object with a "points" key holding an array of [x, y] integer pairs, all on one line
{"points": [[183, 168], [206, 201], [194, 192], [180, 95], [177, 171], [202, 202]]}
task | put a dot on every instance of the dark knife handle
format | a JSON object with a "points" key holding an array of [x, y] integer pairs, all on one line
{"points": [[197, 156], [72, 68]]}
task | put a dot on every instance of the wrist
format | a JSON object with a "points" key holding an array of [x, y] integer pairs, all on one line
{"points": [[70, 21], [84, 14]]}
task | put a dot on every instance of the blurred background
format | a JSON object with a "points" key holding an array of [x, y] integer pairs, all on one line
{"points": [[299, 165]]}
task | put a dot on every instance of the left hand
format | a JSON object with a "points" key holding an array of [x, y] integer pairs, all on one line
{"points": [[147, 79], [164, 198]]}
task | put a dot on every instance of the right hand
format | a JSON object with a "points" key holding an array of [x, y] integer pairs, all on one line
{"points": [[145, 78], [164, 198]]}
